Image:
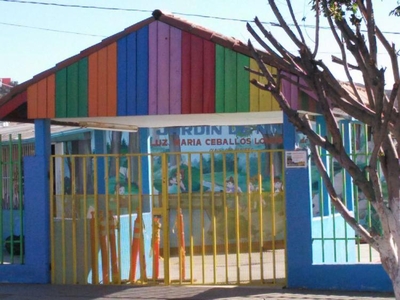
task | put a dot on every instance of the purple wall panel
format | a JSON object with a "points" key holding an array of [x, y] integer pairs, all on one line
{"points": [[175, 71], [196, 77], [153, 91], [209, 78], [186, 71], [290, 90], [308, 92], [294, 93], [163, 66]]}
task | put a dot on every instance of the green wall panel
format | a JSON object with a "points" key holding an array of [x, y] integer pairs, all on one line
{"points": [[72, 90], [83, 88], [230, 81], [61, 93], [232, 86], [219, 79], [243, 84]]}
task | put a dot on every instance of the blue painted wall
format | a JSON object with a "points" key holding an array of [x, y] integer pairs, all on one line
{"points": [[37, 214], [133, 73], [303, 271], [11, 220], [331, 242], [298, 214]]}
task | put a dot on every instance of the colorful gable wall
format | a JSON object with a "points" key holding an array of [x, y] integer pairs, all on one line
{"points": [[161, 65], [155, 70]]}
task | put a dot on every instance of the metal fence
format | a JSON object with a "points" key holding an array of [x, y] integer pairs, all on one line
{"points": [[12, 199], [333, 240], [198, 218]]}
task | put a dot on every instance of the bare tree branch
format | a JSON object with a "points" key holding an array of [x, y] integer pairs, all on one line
{"points": [[315, 52], [337, 60], [284, 25], [354, 45], [368, 13], [339, 206], [289, 4], [372, 107], [344, 58], [288, 57]]}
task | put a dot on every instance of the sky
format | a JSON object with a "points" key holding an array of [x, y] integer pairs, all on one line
{"points": [[35, 37]]}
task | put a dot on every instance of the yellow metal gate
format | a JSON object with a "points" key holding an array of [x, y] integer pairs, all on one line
{"points": [[187, 218]]}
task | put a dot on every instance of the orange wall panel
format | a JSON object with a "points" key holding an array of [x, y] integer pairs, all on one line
{"points": [[51, 94], [42, 98], [112, 80], [102, 83], [32, 101], [93, 84]]}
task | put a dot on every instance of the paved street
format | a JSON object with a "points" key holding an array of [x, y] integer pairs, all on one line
{"points": [[103, 292]]}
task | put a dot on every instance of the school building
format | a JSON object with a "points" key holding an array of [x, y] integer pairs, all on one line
{"points": [[178, 171]]}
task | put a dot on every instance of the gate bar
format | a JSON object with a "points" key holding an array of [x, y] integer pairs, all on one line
{"points": [[165, 204]]}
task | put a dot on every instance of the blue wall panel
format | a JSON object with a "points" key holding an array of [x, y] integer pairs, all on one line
{"points": [[132, 69], [133, 74], [121, 77], [143, 72]]}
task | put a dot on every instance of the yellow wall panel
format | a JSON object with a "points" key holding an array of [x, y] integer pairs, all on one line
{"points": [[261, 100]]}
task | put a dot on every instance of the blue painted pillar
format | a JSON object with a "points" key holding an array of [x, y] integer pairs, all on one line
{"points": [[37, 204], [100, 147], [144, 147], [298, 213], [348, 189]]}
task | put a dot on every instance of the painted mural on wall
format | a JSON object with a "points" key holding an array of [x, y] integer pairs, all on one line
{"points": [[222, 164], [218, 167], [201, 141]]}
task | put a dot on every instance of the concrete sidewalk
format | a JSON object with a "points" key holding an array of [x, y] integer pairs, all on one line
{"points": [[99, 292]]}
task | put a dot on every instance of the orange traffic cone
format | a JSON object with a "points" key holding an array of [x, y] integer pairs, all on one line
{"points": [[156, 247], [181, 244], [135, 248], [113, 249], [104, 250], [93, 249]]}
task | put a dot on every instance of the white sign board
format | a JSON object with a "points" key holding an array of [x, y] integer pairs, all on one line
{"points": [[296, 159]]}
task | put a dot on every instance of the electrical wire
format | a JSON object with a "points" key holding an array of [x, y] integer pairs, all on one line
{"points": [[76, 5], [121, 9], [53, 30], [274, 24]]}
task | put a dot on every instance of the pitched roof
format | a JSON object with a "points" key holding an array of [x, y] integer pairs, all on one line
{"points": [[14, 107]]}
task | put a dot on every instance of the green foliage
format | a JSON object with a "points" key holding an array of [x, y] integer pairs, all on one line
{"points": [[124, 147], [195, 176], [206, 164], [396, 11], [339, 9], [229, 162]]}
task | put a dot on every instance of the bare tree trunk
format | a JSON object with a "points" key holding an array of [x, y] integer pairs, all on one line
{"points": [[134, 148], [174, 146], [115, 149], [84, 147], [277, 159], [367, 103]]}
